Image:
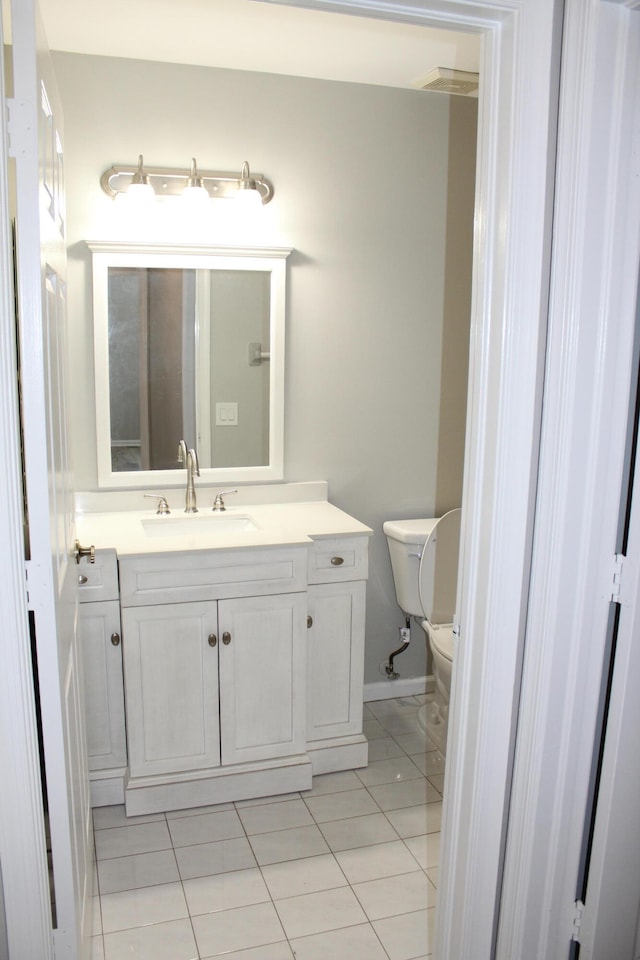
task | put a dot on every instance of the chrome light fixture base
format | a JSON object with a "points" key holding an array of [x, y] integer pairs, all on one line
{"points": [[172, 183]]}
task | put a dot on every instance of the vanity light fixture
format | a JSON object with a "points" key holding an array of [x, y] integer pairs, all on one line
{"points": [[248, 193], [165, 182], [140, 189], [195, 190]]}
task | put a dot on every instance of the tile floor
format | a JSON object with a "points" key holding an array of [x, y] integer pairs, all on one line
{"points": [[346, 871]]}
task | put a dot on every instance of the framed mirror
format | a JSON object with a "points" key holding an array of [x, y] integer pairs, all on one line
{"points": [[188, 344]]}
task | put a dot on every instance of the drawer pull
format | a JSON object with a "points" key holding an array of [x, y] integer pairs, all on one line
{"points": [[82, 579], [115, 639], [309, 622], [212, 639], [226, 638], [337, 561]]}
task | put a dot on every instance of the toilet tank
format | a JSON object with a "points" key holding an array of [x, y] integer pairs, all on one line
{"points": [[406, 539]]}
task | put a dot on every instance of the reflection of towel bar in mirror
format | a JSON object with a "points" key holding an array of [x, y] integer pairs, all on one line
{"points": [[257, 354]]}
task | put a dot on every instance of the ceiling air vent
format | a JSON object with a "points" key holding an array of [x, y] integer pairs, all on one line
{"points": [[444, 80]]}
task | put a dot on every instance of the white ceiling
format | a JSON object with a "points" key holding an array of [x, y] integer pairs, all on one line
{"points": [[249, 35]]}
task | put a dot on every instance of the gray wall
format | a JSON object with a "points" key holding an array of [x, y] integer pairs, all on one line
{"points": [[366, 194]]}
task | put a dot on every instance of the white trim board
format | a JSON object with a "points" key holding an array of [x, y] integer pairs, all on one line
{"points": [[512, 241], [587, 388]]}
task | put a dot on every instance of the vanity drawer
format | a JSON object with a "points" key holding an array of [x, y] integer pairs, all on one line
{"points": [[334, 560], [99, 580], [212, 575]]}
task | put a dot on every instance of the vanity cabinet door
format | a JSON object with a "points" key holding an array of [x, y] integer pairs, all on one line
{"points": [[262, 677], [99, 632], [171, 683], [335, 657]]}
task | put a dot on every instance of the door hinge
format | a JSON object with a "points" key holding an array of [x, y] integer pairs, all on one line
{"points": [[36, 588], [27, 565], [21, 129], [615, 585], [578, 909]]}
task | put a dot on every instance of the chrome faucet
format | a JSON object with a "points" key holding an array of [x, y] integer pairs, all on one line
{"points": [[190, 460]]}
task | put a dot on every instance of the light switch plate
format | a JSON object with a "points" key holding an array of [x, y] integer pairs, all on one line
{"points": [[226, 414]]}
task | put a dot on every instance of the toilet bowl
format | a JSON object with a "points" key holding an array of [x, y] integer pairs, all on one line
{"points": [[424, 561], [433, 718]]}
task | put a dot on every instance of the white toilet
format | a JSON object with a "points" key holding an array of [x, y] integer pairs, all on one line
{"points": [[424, 560]]}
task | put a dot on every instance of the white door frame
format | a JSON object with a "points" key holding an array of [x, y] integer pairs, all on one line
{"points": [[512, 230], [514, 194], [588, 382]]}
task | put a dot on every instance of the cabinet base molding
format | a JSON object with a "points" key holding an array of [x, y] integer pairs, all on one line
{"points": [[203, 788], [107, 787], [158, 794], [343, 753]]}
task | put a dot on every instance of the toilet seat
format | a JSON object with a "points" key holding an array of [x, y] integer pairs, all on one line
{"points": [[438, 602]]}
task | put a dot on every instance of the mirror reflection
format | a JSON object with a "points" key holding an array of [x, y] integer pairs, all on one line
{"points": [[188, 345], [182, 363]]}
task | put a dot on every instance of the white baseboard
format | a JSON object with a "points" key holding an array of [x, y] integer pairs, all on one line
{"points": [[402, 687]]}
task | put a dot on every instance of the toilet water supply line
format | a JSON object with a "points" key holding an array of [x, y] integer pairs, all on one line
{"points": [[405, 640]]}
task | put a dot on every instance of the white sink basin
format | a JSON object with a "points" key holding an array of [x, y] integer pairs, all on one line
{"points": [[198, 524]]}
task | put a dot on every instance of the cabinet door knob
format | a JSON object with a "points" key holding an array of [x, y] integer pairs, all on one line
{"points": [[226, 638], [309, 622], [82, 579], [79, 552], [115, 639], [212, 639], [337, 561]]}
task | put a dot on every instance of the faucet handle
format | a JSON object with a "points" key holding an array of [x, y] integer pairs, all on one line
{"points": [[163, 506], [218, 503]]}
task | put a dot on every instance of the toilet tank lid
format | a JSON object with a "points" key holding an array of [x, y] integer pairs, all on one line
{"points": [[409, 531]]}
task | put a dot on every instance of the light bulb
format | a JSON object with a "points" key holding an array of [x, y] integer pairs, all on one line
{"points": [[248, 194], [195, 191], [140, 191]]}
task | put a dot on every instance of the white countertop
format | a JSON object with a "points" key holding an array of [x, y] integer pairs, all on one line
{"points": [[277, 524]]}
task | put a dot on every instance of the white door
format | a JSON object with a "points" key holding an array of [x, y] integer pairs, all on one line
{"points": [[51, 568], [335, 640], [99, 630], [262, 676], [171, 682]]}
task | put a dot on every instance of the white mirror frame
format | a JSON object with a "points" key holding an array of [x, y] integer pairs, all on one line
{"points": [[269, 259]]}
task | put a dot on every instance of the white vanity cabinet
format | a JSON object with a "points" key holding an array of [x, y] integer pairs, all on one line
{"points": [[215, 672], [100, 634], [214, 682], [241, 653], [337, 575]]}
